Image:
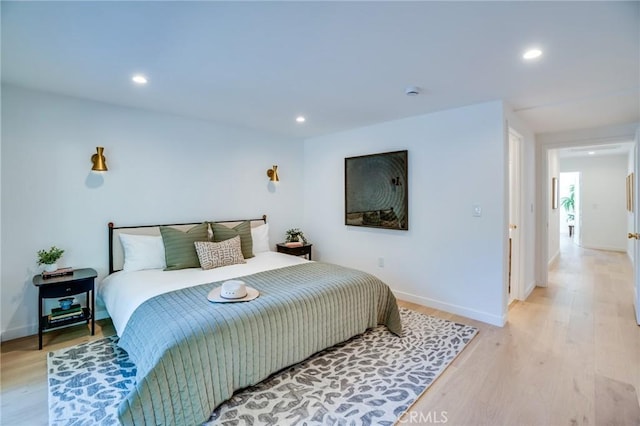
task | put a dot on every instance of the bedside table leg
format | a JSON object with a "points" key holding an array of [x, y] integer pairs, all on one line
{"points": [[93, 312], [39, 320]]}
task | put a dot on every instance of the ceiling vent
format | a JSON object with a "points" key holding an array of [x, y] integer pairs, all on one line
{"points": [[412, 91]]}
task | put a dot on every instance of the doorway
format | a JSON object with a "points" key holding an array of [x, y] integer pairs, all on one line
{"points": [[569, 190], [547, 167]]}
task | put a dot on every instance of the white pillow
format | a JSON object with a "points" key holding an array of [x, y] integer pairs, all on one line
{"points": [[260, 237], [142, 252]]}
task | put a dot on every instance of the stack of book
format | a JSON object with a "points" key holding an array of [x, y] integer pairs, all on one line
{"points": [[59, 315], [294, 244], [57, 273]]}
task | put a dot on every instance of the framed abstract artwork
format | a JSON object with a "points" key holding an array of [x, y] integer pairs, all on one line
{"points": [[377, 190]]}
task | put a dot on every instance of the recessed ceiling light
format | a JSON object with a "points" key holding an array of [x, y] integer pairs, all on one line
{"points": [[139, 79], [591, 152], [300, 119], [532, 54]]}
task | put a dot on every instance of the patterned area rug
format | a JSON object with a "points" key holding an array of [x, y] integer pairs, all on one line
{"points": [[370, 379], [87, 382]]}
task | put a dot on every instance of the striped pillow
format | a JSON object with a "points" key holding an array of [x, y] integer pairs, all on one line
{"points": [[222, 233], [215, 255], [179, 251]]}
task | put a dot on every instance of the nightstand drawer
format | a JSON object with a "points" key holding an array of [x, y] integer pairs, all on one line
{"points": [[66, 289]]}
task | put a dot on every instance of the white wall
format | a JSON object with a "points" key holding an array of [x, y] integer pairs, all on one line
{"points": [[553, 224], [602, 200], [447, 259], [162, 169]]}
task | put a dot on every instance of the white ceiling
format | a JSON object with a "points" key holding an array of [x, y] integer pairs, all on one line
{"points": [[621, 148], [342, 64]]}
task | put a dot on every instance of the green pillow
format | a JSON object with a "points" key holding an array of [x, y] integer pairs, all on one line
{"points": [[179, 248], [222, 233]]}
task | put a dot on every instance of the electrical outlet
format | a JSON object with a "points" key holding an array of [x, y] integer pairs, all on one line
{"points": [[477, 210], [381, 262]]}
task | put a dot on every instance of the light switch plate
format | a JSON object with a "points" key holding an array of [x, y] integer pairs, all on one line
{"points": [[477, 210]]}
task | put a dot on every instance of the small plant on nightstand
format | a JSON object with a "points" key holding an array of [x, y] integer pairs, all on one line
{"points": [[295, 235], [48, 258]]}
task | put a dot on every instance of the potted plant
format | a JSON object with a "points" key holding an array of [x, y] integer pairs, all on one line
{"points": [[48, 258], [568, 203], [295, 235]]}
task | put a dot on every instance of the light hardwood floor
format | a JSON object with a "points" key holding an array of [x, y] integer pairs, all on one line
{"points": [[569, 355], [23, 372]]}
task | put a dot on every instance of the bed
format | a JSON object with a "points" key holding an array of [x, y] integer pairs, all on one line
{"points": [[192, 354]]}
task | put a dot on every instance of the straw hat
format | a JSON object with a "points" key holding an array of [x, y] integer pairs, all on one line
{"points": [[232, 291]]}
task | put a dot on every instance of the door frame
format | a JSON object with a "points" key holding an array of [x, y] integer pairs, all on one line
{"points": [[543, 196], [636, 223], [516, 149]]}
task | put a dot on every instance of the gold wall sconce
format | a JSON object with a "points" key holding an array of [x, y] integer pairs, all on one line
{"points": [[273, 174], [98, 160]]}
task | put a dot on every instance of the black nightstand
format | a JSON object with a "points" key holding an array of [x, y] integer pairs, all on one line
{"points": [[81, 281], [304, 250]]}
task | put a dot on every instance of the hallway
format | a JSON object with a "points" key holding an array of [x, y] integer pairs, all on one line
{"points": [[592, 295], [569, 355]]}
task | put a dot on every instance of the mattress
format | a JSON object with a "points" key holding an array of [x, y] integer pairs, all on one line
{"points": [[122, 292]]}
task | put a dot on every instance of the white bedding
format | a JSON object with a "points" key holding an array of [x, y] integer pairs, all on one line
{"points": [[122, 292]]}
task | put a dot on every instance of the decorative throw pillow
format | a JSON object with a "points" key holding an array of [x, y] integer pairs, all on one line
{"points": [[260, 238], [215, 255], [142, 252], [179, 250], [222, 233]]}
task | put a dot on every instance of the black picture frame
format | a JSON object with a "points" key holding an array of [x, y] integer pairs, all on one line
{"points": [[376, 190]]}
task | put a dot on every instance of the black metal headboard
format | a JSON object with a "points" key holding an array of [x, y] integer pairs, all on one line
{"points": [[155, 230]]}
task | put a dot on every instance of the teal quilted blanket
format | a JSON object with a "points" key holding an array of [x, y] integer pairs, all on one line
{"points": [[192, 354]]}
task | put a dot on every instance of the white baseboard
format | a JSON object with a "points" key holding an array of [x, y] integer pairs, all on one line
{"points": [[32, 329], [605, 248], [529, 289], [554, 259], [16, 333], [492, 319]]}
